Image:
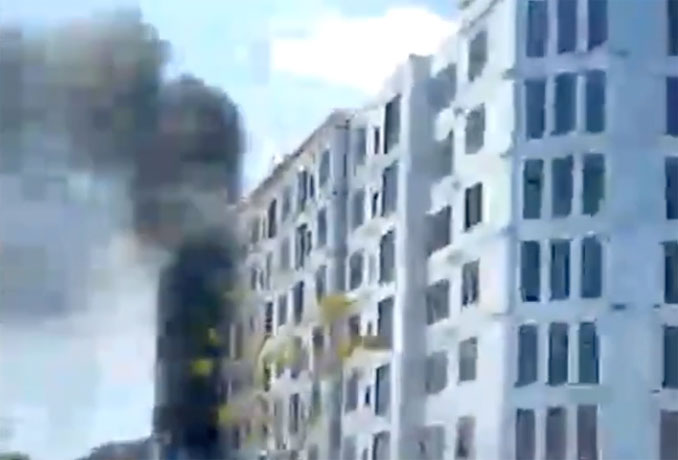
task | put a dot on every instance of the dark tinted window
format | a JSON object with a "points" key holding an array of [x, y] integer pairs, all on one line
{"points": [[533, 183], [597, 23], [530, 271], [527, 354], [596, 82], [567, 25], [537, 28], [535, 107], [560, 269], [565, 103]]}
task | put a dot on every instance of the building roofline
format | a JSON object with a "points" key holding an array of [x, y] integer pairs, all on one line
{"points": [[336, 116]]}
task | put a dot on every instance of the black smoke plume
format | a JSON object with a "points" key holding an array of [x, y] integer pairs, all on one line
{"points": [[96, 87]]}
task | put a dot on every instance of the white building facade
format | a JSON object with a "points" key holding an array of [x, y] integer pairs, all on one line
{"points": [[510, 209]]}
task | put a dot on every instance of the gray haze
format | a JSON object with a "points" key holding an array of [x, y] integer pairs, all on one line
{"points": [[102, 165]]}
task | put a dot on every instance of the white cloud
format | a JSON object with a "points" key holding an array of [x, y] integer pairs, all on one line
{"points": [[360, 52]]}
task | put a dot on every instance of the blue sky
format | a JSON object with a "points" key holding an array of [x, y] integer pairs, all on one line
{"points": [[286, 63]]}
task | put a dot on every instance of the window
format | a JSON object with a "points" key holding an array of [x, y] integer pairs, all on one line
{"points": [[535, 105], [587, 432], [671, 187], [528, 354], [272, 218], [282, 309], [303, 245], [298, 300], [530, 271], [470, 283], [302, 189], [356, 269], [565, 102], [354, 328], [310, 185], [387, 257], [591, 267], [439, 230], [266, 378], [262, 279], [595, 101], [465, 446], [318, 339], [444, 161], [382, 390], [324, 168], [268, 319], [268, 270], [375, 203], [468, 356], [558, 357], [449, 74], [285, 254], [473, 206], [294, 413], [671, 104], [392, 124], [299, 362], [442, 88], [672, 27], [385, 321], [671, 272], [597, 23], [238, 341], [435, 373], [254, 277], [670, 357], [668, 441], [349, 449], [320, 282], [588, 354], [322, 228], [375, 139], [381, 446], [432, 443], [537, 28], [312, 453], [286, 203], [389, 197], [475, 130], [235, 437], [477, 55], [567, 26], [525, 438], [359, 139], [351, 397], [561, 186], [533, 183], [357, 209], [254, 230], [556, 433], [594, 183], [437, 302]]}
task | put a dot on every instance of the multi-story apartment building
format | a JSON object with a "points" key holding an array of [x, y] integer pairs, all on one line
{"points": [[509, 232], [295, 253]]}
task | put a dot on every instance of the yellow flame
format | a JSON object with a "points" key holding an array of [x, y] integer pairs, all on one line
{"points": [[334, 307], [213, 337], [202, 367]]}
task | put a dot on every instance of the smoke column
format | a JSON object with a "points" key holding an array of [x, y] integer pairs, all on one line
{"points": [[107, 173]]}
